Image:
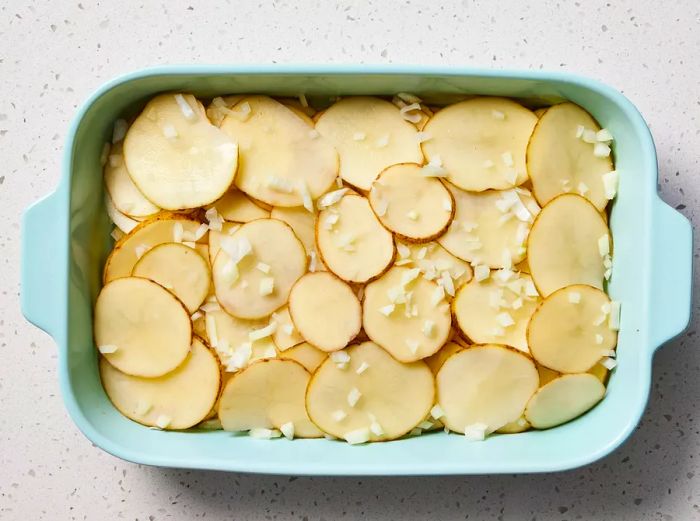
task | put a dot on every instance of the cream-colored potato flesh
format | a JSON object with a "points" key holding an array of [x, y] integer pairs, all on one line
{"points": [[394, 395], [558, 161], [277, 145], [479, 149], [325, 311], [122, 190], [235, 206], [563, 245], [179, 269], [563, 399], [184, 396], [303, 223], [486, 384], [411, 205], [274, 245], [177, 161], [370, 134], [286, 335], [432, 259], [307, 355], [357, 248], [147, 327], [409, 330], [267, 394], [230, 338], [570, 337]]}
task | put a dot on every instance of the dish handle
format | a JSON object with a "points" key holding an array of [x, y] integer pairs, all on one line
{"points": [[672, 274]]}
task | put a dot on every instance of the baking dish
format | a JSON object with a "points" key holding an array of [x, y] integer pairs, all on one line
{"points": [[65, 239]]}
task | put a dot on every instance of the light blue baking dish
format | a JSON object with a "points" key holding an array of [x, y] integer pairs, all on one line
{"points": [[65, 239]]}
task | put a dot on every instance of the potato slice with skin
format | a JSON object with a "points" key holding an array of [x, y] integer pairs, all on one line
{"points": [[558, 161], [307, 355], [179, 269], [406, 314], [569, 330], [146, 327], [303, 223], [563, 399], [481, 143], [394, 396], [487, 384], [415, 207], [176, 157], [303, 161], [370, 134], [183, 396], [122, 190], [325, 311], [432, 259], [563, 245], [436, 360], [286, 334], [276, 253], [495, 310], [356, 247], [267, 394], [237, 207]]}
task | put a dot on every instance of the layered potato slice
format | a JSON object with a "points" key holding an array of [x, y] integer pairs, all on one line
{"points": [[481, 143], [222, 106], [176, 157], [235, 206], [284, 162], [370, 134], [121, 189], [436, 360], [123, 222], [286, 334], [177, 400], [141, 328], [307, 355], [432, 260], [303, 223], [372, 397]]}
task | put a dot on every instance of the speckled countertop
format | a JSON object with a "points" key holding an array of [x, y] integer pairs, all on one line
{"points": [[51, 58]]}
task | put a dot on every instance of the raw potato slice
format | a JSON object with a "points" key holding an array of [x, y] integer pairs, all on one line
{"points": [[230, 337], [179, 269], [176, 157], [215, 236], [122, 190], [306, 354], [496, 311], [285, 335], [220, 107], [481, 143], [302, 162], [147, 329], [486, 384], [563, 245], [267, 394], [237, 207], [569, 331], [370, 134], [304, 225], [258, 283], [435, 361], [121, 221], [415, 207], [563, 399], [519, 425], [183, 397], [488, 228], [392, 398], [432, 259], [325, 311], [406, 314], [356, 247], [558, 161]]}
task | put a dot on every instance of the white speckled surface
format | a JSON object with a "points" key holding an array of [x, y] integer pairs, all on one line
{"points": [[52, 58]]}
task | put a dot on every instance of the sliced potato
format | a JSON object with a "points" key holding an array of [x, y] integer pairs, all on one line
{"points": [[436, 360], [370, 134], [306, 354], [432, 259], [481, 143], [373, 396], [563, 245], [220, 107], [415, 207], [496, 310], [237, 207], [325, 311], [569, 331], [286, 334], [141, 328], [177, 400], [267, 394], [563, 399], [559, 160], [485, 385], [256, 268], [352, 242], [231, 339], [123, 222], [303, 163], [519, 425], [304, 225], [406, 314], [122, 190], [176, 157]]}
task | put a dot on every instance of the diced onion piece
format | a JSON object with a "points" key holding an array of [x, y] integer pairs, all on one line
{"points": [[436, 412], [497, 114], [610, 181], [413, 345], [574, 297], [579, 130], [437, 296], [185, 108], [604, 245], [354, 396], [163, 421], [267, 286], [383, 141], [363, 367], [598, 338], [481, 272], [603, 136], [387, 310], [475, 432], [287, 430], [279, 184], [264, 332], [331, 198], [375, 428], [107, 349], [582, 188], [608, 363], [261, 433], [588, 136], [357, 436], [339, 415], [263, 267], [142, 407], [340, 358], [614, 317], [423, 137], [505, 319], [507, 158], [601, 150], [428, 328]]}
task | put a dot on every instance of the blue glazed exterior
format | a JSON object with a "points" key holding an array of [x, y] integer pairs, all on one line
{"points": [[652, 276]]}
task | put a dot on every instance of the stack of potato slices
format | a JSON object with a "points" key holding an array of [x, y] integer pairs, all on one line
{"points": [[368, 271]]}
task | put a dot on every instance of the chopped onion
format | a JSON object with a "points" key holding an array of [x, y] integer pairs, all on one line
{"points": [[140, 250], [196, 315], [413, 215], [428, 328], [383, 141], [481, 272], [387, 310], [603, 136], [610, 182], [407, 113], [261, 266], [376, 428], [604, 245], [413, 345], [447, 283], [331, 198], [504, 319], [434, 168], [601, 150], [475, 432], [437, 412], [574, 297], [210, 326], [598, 338], [354, 396], [107, 349], [312, 261], [507, 158], [340, 358], [163, 421], [363, 367], [264, 332], [185, 108], [608, 363], [408, 98], [267, 286], [614, 318], [279, 184], [582, 188], [423, 137], [357, 436], [579, 131], [588, 136], [288, 430], [437, 296], [264, 434], [381, 205], [497, 114]]}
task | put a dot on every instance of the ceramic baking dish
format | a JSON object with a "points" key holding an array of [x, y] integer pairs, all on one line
{"points": [[65, 239]]}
